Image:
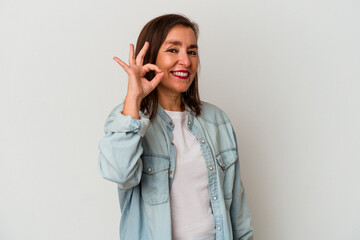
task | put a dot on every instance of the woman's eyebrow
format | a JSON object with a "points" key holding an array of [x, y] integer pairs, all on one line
{"points": [[180, 43]]}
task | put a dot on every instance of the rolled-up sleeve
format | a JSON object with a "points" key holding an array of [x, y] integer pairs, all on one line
{"points": [[121, 148]]}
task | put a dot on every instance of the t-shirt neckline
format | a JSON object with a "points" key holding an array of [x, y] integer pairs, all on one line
{"points": [[176, 114]]}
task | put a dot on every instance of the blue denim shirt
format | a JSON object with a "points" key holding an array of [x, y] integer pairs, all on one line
{"points": [[139, 156]]}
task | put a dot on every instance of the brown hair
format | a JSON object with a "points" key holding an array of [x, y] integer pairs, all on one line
{"points": [[155, 33]]}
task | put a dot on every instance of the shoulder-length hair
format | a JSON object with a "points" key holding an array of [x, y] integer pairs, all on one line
{"points": [[155, 33]]}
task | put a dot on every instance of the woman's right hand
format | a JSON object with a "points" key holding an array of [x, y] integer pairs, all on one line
{"points": [[138, 86]]}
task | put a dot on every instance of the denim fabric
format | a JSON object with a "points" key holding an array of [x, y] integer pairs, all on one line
{"points": [[139, 157]]}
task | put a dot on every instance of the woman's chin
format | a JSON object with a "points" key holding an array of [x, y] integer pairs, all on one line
{"points": [[177, 89]]}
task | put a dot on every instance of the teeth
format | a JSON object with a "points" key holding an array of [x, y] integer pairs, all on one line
{"points": [[181, 74]]}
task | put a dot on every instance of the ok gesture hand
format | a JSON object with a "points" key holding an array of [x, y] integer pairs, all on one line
{"points": [[138, 86]]}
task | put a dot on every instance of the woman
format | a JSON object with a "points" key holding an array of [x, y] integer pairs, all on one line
{"points": [[173, 157]]}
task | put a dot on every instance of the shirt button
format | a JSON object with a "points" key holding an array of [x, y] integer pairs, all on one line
{"points": [[172, 143], [149, 169], [203, 140], [214, 197], [189, 122], [219, 228], [211, 168], [170, 171], [223, 165], [171, 123]]}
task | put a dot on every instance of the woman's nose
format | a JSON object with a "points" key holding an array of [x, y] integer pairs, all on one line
{"points": [[184, 59]]}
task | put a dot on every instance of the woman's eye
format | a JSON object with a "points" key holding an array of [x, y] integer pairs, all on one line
{"points": [[172, 50], [192, 53]]}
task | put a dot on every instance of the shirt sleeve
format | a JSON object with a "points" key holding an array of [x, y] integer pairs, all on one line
{"points": [[121, 148], [239, 212]]}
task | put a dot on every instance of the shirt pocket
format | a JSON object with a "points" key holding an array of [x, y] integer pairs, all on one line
{"points": [[155, 179], [226, 170]]}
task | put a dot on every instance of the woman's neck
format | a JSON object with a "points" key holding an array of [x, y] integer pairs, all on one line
{"points": [[171, 102]]}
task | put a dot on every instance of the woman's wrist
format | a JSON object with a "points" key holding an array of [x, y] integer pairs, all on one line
{"points": [[131, 107]]}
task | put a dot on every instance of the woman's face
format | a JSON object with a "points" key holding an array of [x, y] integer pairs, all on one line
{"points": [[178, 58]]}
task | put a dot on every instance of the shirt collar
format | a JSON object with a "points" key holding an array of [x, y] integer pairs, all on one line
{"points": [[161, 112]]}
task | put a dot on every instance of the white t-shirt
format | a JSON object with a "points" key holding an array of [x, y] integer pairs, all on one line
{"points": [[191, 215]]}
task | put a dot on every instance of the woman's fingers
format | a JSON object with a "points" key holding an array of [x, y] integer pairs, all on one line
{"points": [[122, 64], [159, 74], [141, 55], [131, 55], [157, 79], [135, 70], [148, 67]]}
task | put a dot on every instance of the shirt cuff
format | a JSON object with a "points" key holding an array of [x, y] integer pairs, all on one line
{"points": [[118, 122]]}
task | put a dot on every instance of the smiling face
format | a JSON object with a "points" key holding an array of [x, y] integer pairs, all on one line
{"points": [[178, 58]]}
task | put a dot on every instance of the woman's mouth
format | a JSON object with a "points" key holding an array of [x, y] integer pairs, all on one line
{"points": [[182, 74]]}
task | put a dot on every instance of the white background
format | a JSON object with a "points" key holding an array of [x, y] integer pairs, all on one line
{"points": [[286, 72]]}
